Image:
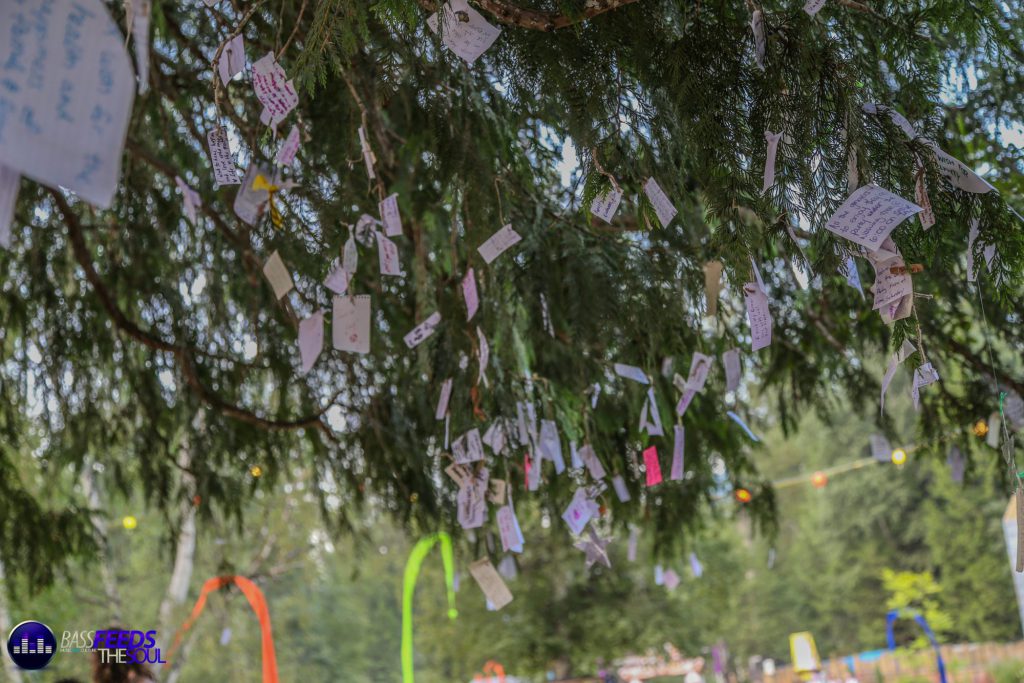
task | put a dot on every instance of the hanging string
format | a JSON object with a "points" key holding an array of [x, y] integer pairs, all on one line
{"points": [[1008, 456]]}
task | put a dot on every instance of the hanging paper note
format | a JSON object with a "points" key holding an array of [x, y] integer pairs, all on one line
{"points": [[545, 315], [685, 400], [351, 323], [500, 241], [620, 488], [901, 355], [551, 444], [700, 366], [442, 401], [958, 173], [652, 466], [470, 294], [190, 198], [695, 566], [758, 316], [769, 162], [472, 501], [460, 474], [678, 447], [956, 463], [663, 206], [574, 457], [743, 425], [927, 216], [760, 43], [853, 276], [590, 459], [140, 18], [224, 171], [712, 285], [495, 436], [490, 583], [508, 527], [812, 7], [852, 173], [484, 354], [650, 408], [369, 158], [232, 59], [350, 256], [881, 450], [463, 29], [249, 201], [671, 580], [580, 511], [634, 539], [659, 575], [891, 286], [278, 276], [496, 491], [869, 215], [390, 216], [468, 447], [605, 206], [731, 361], [290, 147], [67, 95], [9, 183], [387, 254], [422, 331], [896, 117], [631, 372], [273, 90], [311, 339], [337, 280], [923, 376]]}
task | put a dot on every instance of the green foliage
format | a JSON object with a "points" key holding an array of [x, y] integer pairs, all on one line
{"points": [[919, 593]]}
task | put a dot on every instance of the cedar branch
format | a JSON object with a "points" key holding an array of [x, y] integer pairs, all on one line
{"points": [[538, 20]]}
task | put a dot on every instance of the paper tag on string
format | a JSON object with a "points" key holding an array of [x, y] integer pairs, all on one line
{"points": [[190, 198], [390, 216], [574, 457], [249, 201], [311, 339], [769, 162], [289, 148], [605, 206], [498, 243], [484, 355], [337, 279], [757, 275], [760, 43], [351, 323], [490, 583], [897, 118], [634, 540], [650, 417], [232, 59], [678, 454], [273, 90], [663, 206], [923, 376], [652, 466], [469, 294], [812, 7], [495, 436], [589, 458], [579, 512], [224, 171], [551, 445], [890, 287], [620, 488], [497, 491], [10, 181], [733, 373], [387, 255], [422, 331], [350, 256], [508, 528], [853, 275], [869, 215], [472, 500], [890, 371], [712, 285], [468, 447], [460, 474], [743, 425], [684, 401], [927, 216], [759, 316], [278, 276], [443, 399], [958, 173], [700, 366], [463, 29], [631, 372], [369, 159], [141, 14]]}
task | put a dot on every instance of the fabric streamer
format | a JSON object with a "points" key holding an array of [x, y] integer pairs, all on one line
{"points": [[258, 603], [895, 614], [412, 572]]}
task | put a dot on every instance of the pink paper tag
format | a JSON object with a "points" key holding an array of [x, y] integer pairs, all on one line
{"points": [[652, 466], [469, 293]]}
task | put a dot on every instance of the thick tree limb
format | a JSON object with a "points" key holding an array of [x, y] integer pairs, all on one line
{"points": [[537, 20]]}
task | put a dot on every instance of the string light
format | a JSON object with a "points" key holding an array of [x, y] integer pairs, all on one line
{"points": [[819, 480], [256, 471], [899, 456], [129, 522], [743, 495], [980, 428]]}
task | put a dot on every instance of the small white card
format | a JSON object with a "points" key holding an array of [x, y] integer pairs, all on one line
{"points": [[387, 254], [605, 206], [311, 339], [337, 280], [927, 215], [389, 215], [232, 59], [590, 459], [580, 511], [273, 90], [468, 448], [700, 366], [224, 170], [678, 453], [760, 44], [812, 7], [289, 148], [470, 294], [663, 206], [758, 316], [731, 360], [191, 199], [463, 29], [491, 583], [631, 372], [442, 401], [551, 445], [351, 323], [508, 529], [422, 331], [278, 276], [620, 489], [485, 355], [869, 215], [769, 162], [498, 243]]}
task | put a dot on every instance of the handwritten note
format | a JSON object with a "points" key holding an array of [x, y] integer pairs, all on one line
{"points": [[190, 198], [590, 459], [497, 491], [769, 161], [869, 215], [758, 316], [605, 206], [387, 255], [579, 512], [684, 401], [140, 11], [927, 215], [9, 183], [311, 339], [652, 466], [273, 90], [278, 276], [498, 243], [812, 7], [490, 583], [631, 372], [472, 501], [700, 366], [463, 29], [337, 279], [731, 361], [712, 285], [232, 59], [663, 206], [420, 333], [508, 529], [760, 44], [469, 447], [890, 287], [959, 174], [443, 399], [470, 294], [224, 171], [65, 95], [390, 216], [289, 148], [350, 256], [350, 327], [678, 453]]}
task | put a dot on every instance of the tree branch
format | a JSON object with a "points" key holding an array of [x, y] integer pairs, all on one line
{"points": [[537, 20]]}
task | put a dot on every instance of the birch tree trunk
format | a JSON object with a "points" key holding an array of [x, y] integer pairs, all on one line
{"points": [[12, 672], [92, 495]]}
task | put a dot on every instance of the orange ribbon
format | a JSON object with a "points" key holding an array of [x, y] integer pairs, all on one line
{"points": [[259, 605]]}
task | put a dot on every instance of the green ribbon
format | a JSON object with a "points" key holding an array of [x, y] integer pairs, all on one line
{"points": [[412, 571]]}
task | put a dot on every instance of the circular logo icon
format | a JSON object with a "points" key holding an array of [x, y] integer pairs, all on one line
{"points": [[31, 645]]}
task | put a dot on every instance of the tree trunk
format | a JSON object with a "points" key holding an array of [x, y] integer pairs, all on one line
{"points": [[13, 673], [99, 525]]}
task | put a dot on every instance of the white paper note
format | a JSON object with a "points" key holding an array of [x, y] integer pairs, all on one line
{"points": [[469, 447], [232, 59], [678, 453], [390, 216], [869, 215], [743, 425], [684, 401], [923, 376], [731, 361], [650, 417], [760, 43], [498, 243], [700, 366], [551, 445], [495, 436], [663, 206], [758, 316], [897, 118], [141, 13], [484, 354], [350, 256], [289, 148], [812, 7], [387, 255], [590, 459], [422, 331], [769, 162], [959, 173], [463, 29], [508, 528], [620, 489], [472, 501], [605, 206], [579, 512], [890, 371], [853, 275], [712, 285], [190, 198], [249, 202], [273, 89], [66, 88], [278, 276], [9, 183], [890, 287], [442, 401], [351, 323], [927, 215], [337, 279], [490, 583], [631, 372], [470, 294], [311, 339], [224, 171]]}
